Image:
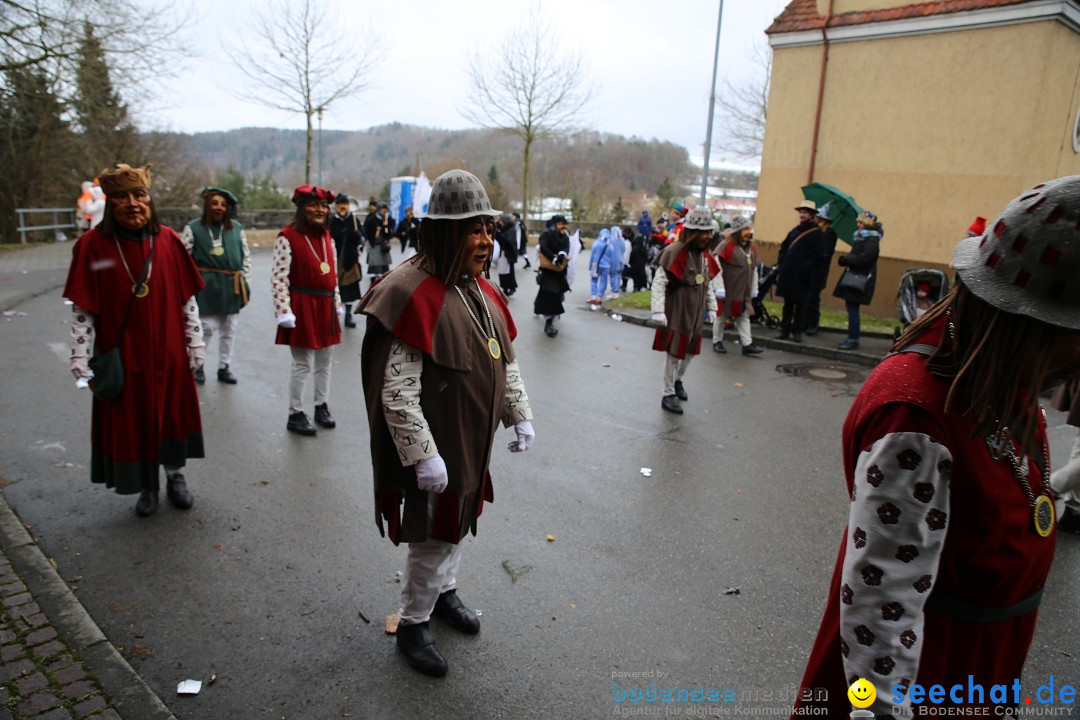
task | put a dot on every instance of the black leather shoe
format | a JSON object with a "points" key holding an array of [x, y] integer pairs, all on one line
{"points": [[680, 391], [812, 331], [323, 418], [719, 347], [453, 612], [671, 404], [796, 337], [418, 647], [177, 491], [784, 335], [200, 375], [849, 344], [751, 349], [299, 424], [147, 503], [349, 322], [226, 376], [550, 330]]}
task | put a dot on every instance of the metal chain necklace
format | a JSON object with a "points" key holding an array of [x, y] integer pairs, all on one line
{"points": [[1043, 514], [492, 342], [138, 289], [699, 275], [216, 246], [324, 266]]}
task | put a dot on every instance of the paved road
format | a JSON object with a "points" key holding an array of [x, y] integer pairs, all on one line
{"points": [[262, 583]]}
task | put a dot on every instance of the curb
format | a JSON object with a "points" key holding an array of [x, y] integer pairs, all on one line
{"points": [[131, 696], [854, 358], [12, 302]]}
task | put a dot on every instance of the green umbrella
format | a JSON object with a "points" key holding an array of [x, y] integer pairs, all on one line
{"points": [[842, 208]]}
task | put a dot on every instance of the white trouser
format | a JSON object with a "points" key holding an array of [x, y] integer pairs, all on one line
{"points": [[304, 360], [742, 326], [674, 369], [225, 326], [430, 570], [1065, 481]]}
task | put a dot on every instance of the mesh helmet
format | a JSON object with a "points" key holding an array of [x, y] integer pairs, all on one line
{"points": [[456, 195], [699, 219], [1028, 258]]}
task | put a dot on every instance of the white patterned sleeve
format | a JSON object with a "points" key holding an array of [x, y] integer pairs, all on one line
{"points": [[82, 333], [401, 404], [896, 530], [193, 324], [516, 407], [187, 237], [279, 276], [245, 264]]}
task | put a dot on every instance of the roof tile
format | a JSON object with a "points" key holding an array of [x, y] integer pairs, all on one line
{"points": [[803, 14]]}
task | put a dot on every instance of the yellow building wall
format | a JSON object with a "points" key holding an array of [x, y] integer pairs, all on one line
{"points": [[926, 131]]}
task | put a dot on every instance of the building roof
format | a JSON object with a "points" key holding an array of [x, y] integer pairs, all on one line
{"points": [[802, 15]]}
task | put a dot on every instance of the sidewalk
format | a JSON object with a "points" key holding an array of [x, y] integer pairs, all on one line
{"points": [[55, 663], [823, 345]]}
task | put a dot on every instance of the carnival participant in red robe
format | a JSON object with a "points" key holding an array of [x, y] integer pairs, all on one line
{"points": [[952, 520], [133, 286]]}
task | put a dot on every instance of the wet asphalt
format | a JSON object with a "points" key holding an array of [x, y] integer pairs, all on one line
{"points": [[710, 573]]}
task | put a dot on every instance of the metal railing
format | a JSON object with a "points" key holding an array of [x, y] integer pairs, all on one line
{"points": [[23, 229]]}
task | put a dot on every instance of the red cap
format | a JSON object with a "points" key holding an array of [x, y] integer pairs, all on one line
{"points": [[306, 193]]}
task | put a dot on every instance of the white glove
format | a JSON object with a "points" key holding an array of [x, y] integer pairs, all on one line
{"points": [[196, 357], [709, 317], [431, 474], [660, 318], [340, 314], [288, 320], [525, 436], [721, 293], [79, 367]]}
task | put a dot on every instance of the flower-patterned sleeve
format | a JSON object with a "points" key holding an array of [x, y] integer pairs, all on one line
{"points": [[192, 324], [82, 333], [245, 264], [279, 276], [896, 530], [516, 407], [188, 238], [401, 404]]}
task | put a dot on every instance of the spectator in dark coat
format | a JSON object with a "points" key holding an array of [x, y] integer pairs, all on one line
{"points": [[639, 260], [408, 232], [348, 242], [523, 239], [798, 271], [860, 262], [826, 249]]}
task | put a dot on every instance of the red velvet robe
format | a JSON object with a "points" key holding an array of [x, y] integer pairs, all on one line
{"points": [[317, 324], [156, 420], [992, 556]]}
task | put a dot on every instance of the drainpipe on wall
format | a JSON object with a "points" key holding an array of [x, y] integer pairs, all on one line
{"points": [[820, 92]]}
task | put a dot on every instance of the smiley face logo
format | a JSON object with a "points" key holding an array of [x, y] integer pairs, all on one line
{"points": [[862, 693]]}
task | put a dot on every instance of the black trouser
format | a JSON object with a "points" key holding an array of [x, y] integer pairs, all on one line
{"points": [[813, 310], [793, 318]]}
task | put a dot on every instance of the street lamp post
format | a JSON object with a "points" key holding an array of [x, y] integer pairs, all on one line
{"points": [[712, 104]]}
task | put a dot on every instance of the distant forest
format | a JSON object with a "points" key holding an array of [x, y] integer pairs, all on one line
{"points": [[595, 170]]}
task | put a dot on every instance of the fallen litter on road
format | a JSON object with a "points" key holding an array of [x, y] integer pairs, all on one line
{"points": [[647, 472], [189, 687], [515, 571]]}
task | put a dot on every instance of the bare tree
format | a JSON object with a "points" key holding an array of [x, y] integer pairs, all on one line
{"points": [[299, 62], [529, 86], [744, 103], [47, 34]]}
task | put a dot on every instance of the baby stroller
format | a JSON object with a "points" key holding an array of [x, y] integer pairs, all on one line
{"points": [[766, 279], [918, 291]]}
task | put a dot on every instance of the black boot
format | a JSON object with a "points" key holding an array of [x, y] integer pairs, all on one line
{"points": [[323, 418], [671, 404], [147, 503], [349, 322], [177, 491], [418, 647], [680, 391], [784, 335], [200, 375], [453, 612], [299, 424], [226, 376], [550, 330]]}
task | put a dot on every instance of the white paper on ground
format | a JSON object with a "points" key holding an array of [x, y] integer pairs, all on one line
{"points": [[189, 687]]}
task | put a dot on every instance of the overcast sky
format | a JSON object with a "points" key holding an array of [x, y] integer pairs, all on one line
{"points": [[652, 62]]}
